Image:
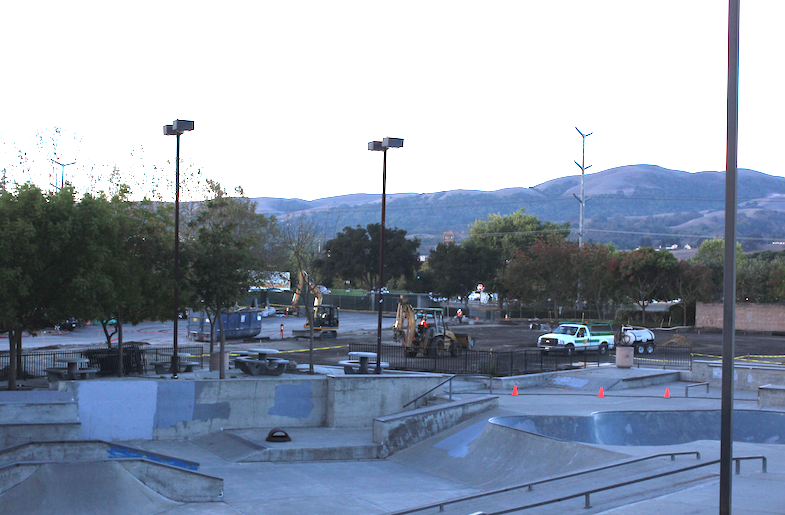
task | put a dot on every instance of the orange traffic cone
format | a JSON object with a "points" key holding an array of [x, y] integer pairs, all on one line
{"points": [[515, 389], [667, 393], [602, 394]]}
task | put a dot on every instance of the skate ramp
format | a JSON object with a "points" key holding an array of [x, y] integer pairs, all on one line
{"points": [[632, 428], [82, 488], [489, 455]]}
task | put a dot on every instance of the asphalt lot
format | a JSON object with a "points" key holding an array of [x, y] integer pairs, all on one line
{"points": [[362, 327]]}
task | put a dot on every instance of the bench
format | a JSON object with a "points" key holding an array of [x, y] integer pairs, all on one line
{"points": [[164, 367], [258, 367], [62, 374]]}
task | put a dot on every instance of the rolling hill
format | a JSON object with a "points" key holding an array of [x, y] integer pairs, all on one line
{"points": [[629, 206]]}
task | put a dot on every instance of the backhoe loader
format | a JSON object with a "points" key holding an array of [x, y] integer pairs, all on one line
{"points": [[424, 331]]}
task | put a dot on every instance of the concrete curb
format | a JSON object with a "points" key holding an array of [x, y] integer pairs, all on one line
{"points": [[397, 432]]}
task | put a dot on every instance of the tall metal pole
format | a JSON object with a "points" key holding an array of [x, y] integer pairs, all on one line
{"points": [[175, 364], [583, 168], [381, 268], [729, 272]]}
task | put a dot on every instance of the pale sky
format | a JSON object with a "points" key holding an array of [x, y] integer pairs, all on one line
{"points": [[285, 96]]}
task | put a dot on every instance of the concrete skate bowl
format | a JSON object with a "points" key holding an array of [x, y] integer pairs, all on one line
{"points": [[634, 428]]}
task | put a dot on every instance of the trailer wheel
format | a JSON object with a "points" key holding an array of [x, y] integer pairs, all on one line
{"points": [[649, 348], [436, 347], [640, 348], [455, 349]]}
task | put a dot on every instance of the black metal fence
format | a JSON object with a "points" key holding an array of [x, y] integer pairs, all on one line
{"points": [[136, 359], [518, 362]]}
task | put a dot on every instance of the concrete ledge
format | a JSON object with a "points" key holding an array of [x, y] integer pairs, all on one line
{"points": [[771, 395], [397, 432], [523, 381], [15, 434], [344, 453], [175, 483], [746, 376], [85, 450], [648, 380]]}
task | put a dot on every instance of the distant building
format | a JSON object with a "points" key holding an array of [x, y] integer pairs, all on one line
{"points": [[448, 237]]}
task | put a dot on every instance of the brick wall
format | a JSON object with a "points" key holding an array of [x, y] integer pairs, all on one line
{"points": [[749, 316]]}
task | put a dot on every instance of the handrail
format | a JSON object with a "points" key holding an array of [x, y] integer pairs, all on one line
{"points": [[530, 485], [429, 391], [687, 388], [587, 494]]}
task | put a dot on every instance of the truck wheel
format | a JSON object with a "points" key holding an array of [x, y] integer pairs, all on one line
{"points": [[455, 349], [603, 349], [649, 348], [569, 350], [436, 347]]}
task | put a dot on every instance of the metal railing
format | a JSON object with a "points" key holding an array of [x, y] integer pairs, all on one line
{"points": [[136, 359], [585, 494], [530, 485], [516, 362]]}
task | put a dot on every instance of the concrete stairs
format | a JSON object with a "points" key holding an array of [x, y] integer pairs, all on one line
{"points": [[38, 415]]}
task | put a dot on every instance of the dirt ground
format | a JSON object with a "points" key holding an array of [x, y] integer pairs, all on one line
{"points": [[511, 336]]}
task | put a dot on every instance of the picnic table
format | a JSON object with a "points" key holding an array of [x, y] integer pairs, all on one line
{"points": [[183, 365], [362, 364], [263, 363], [71, 371]]}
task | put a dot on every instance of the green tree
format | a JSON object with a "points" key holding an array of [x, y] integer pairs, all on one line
{"points": [[711, 254], [353, 255], [691, 283], [544, 272], [137, 278], [224, 257], [507, 234], [645, 274], [598, 278], [41, 261], [456, 269]]}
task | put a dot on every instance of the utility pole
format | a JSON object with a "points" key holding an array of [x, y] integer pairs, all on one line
{"points": [[583, 168], [62, 172]]}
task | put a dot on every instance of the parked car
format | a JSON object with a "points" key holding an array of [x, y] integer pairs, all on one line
{"points": [[67, 325]]}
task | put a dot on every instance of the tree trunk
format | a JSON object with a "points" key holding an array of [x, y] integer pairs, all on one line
{"points": [[309, 317], [20, 370], [221, 357], [120, 370], [212, 332], [13, 335]]}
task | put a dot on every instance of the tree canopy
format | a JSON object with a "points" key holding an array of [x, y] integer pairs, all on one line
{"points": [[353, 255]]}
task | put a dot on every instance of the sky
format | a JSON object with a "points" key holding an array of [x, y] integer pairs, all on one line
{"points": [[285, 96]]}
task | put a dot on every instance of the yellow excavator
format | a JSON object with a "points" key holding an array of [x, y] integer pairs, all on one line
{"points": [[424, 331], [325, 316]]}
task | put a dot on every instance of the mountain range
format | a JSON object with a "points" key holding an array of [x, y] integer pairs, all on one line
{"points": [[629, 206]]}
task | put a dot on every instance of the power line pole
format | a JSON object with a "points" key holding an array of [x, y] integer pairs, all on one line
{"points": [[583, 168], [62, 172]]}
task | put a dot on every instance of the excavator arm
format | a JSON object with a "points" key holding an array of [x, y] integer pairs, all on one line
{"points": [[405, 326]]}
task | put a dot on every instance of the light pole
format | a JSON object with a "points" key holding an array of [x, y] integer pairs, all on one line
{"points": [[583, 168], [178, 127], [383, 146]]}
